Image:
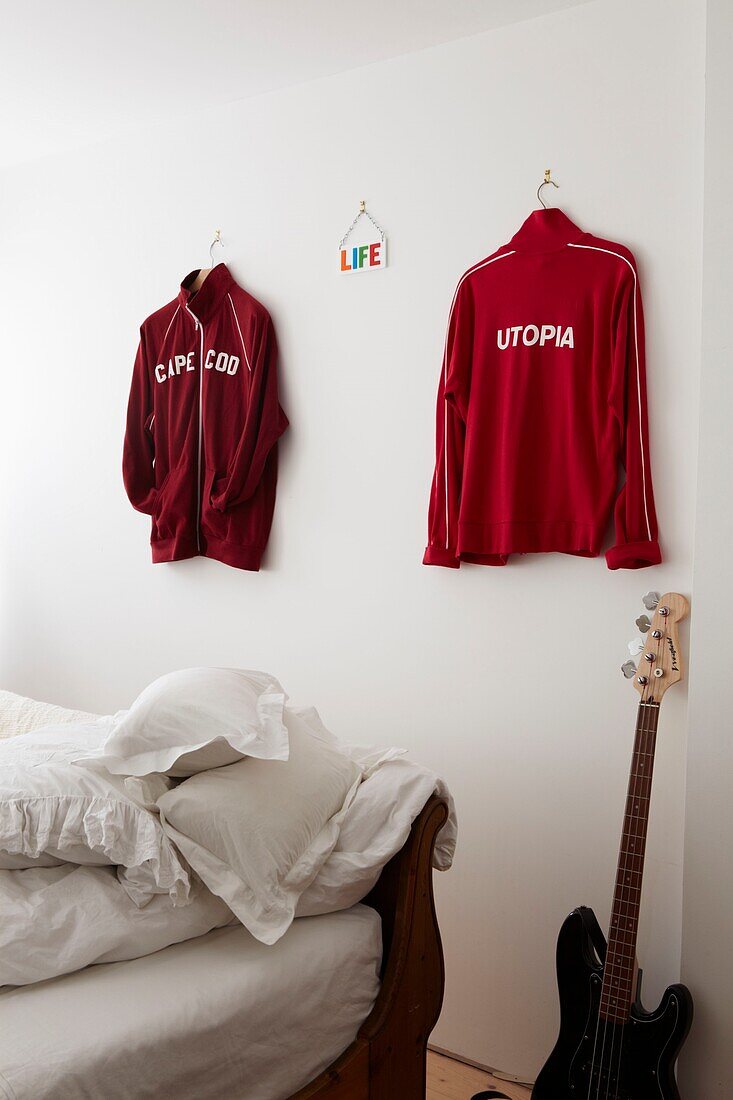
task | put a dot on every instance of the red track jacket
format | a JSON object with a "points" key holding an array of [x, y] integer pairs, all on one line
{"points": [[542, 392], [203, 420]]}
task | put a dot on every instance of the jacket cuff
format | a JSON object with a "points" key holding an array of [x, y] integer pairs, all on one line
{"points": [[438, 555], [634, 555]]}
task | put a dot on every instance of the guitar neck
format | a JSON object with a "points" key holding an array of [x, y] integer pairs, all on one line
{"points": [[619, 976]]}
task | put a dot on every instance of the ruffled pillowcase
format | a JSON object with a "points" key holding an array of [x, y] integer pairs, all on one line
{"points": [[257, 832], [52, 811], [197, 719]]}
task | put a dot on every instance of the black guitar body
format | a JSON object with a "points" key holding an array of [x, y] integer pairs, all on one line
{"points": [[595, 1060]]}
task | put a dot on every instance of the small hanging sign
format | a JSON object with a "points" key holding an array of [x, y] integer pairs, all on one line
{"points": [[366, 256]]}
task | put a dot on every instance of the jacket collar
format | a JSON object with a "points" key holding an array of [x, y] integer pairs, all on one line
{"points": [[545, 231], [207, 300]]}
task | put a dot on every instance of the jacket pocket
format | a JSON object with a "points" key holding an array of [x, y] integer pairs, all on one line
{"points": [[174, 514], [214, 523], [160, 490]]}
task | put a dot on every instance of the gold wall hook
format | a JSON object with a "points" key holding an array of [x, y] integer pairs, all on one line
{"points": [[547, 181], [362, 206]]}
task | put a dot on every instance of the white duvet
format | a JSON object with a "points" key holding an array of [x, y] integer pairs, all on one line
{"points": [[54, 920], [58, 919]]}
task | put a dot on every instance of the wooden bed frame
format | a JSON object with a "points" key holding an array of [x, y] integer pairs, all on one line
{"points": [[387, 1059]]}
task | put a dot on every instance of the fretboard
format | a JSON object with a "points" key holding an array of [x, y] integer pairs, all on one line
{"points": [[618, 991]]}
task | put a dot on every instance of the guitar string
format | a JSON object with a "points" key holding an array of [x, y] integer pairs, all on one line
{"points": [[609, 965], [644, 761], [613, 967], [635, 781], [648, 746], [606, 1022], [606, 973]]}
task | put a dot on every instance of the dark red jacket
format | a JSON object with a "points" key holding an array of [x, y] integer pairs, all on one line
{"points": [[203, 420], [542, 395]]}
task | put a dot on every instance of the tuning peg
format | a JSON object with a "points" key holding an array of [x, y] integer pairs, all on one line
{"points": [[635, 646], [629, 669], [643, 623], [650, 600]]}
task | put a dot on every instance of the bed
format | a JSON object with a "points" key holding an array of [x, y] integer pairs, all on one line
{"points": [[340, 1009], [387, 1059]]}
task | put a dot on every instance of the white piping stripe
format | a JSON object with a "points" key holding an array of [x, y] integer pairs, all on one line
{"points": [[476, 267], [175, 314], [608, 251], [246, 357]]}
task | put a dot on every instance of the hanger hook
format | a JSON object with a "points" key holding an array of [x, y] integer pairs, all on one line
{"points": [[217, 240], [546, 180]]}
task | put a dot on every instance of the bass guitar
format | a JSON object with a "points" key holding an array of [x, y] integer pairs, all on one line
{"points": [[609, 1047]]}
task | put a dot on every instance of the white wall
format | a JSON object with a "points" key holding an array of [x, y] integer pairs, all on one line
{"points": [[707, 961], [447, 145]]}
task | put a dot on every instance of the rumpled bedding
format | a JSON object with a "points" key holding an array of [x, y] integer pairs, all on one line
{"points": [[53, 810], [100, 880], [57, 919], [54, 920]]}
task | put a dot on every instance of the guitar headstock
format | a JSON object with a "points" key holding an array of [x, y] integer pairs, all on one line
{"points": [[660, 662]]}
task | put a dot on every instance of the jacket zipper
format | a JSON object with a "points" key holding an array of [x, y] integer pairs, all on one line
{"points": [[200, 329]]}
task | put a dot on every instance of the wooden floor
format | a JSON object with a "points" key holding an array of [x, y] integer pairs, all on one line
{"points": [[452, 1080]]}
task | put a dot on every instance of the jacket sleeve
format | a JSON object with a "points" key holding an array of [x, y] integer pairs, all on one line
{"points": [[265, 422], [138, 468], [636, 521], [450, 433]]}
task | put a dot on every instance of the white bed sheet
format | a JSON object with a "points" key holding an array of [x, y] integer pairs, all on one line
{"points": [[221, 1017]]}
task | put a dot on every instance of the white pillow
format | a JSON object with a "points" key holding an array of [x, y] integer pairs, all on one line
{"points": [[258, 831], [18, 714], [393, 792], [197, 719], [53, 811]]}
